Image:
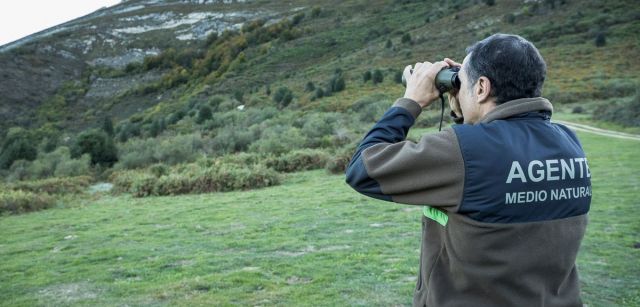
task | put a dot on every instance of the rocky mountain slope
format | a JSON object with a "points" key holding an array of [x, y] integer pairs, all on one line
{"points": [[35, 67], [146, 57]]}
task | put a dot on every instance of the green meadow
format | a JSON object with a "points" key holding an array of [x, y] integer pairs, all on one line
{"points": [[311, 241]]}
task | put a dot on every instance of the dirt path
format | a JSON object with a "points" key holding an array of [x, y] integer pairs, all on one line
{"points": [[594, 130]]}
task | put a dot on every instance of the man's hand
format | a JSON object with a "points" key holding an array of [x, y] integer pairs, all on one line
{"points": [[454, 104], [421, 86]]}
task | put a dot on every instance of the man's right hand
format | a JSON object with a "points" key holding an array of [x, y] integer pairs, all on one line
{"points": [[421, 86]]}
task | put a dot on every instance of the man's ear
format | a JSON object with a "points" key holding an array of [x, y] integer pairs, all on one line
{"points": [[483, 89]]}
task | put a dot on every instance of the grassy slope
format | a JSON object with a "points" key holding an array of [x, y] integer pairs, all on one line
{"points": [[311, 241]]}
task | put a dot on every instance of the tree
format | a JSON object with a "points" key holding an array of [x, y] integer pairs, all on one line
{"points": [[389, 44], [489, 2], [107, 126], [310, 87], [406, 38], [204, 114], [397, 77], [378, 77], [19, 144], [98, 145], [337, 83], [283, 96], [366, 76], [601, 39]]}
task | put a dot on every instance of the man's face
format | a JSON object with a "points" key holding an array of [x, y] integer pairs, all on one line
{"points": [[467, 97]]}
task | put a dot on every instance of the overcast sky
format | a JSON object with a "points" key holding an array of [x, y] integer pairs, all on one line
{"points": [[19, 18]]}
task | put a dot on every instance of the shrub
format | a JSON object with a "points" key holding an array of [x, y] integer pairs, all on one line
{"points": [[377, 77], [18, 144], [278, 140], [600, 40], [397, 77], [577, 110], [138, 153], [371, 108], [107, 126], [191, 179], [510, 18], [203, 114], [67, 185], [309, 87], [338, 162], [406, 39], [318, 94], [231, 139], [59, 164], [14, 202], [98, 145], [242, 158], [159, 170], [626, 113], [337, 83], [316, 126], [283, 96], [366, 76], [299, 160], [143, 185]]}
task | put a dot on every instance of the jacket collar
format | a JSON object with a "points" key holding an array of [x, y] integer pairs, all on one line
{"points": [[515, 107]]}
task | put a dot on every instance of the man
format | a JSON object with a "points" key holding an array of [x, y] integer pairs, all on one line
{"points": [[506, 192]]}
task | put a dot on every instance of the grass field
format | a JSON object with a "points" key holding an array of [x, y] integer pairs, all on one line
{"points": [[311, 241]]}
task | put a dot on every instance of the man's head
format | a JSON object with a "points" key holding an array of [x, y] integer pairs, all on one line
{"points": [[498, 69]]}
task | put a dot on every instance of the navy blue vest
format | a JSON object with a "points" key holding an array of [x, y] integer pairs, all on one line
{"points": [[523, 169]]}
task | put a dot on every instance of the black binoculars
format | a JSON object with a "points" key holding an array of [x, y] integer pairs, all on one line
{"points": [[446, 80]]}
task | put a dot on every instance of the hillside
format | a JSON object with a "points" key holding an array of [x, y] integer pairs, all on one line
{"points": [[88, 56], [236, 75]]}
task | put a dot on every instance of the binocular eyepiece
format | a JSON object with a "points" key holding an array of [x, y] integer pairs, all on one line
{"points": [[446, 79]]}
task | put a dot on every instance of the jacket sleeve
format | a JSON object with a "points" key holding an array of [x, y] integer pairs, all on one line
{"points": [[385, 166]]}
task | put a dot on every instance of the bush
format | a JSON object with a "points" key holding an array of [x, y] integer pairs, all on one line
{"points": [[59, 164], [406, 39], [231, 139], [377, 77], [337, 83], [370, 109], [14, 202], [397, 77], [159, 170], [192, 179], [18, 144], [366, 76], [203, 114], [139, 153], [338, 162], [510, 18], [67, 185], [299, 160], [600, 40], [309, 87], [98, 145], [626, 113], [283, 96], [278, 140]]}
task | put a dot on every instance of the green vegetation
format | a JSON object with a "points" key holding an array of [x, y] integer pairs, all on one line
{"points": [[310, 241]]}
